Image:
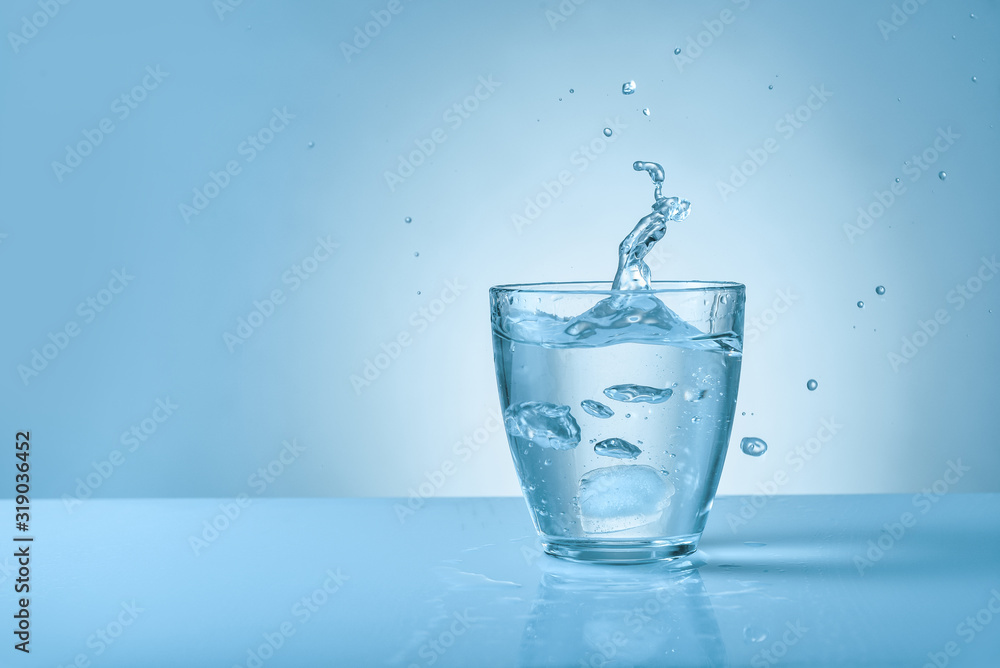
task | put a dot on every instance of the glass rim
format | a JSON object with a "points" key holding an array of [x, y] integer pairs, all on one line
{"points": [[582, 287]]}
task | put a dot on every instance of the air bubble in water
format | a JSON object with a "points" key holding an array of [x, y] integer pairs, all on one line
{"points": [[753, 446], [751, 634], [973, 79], [677, 51], [596, 408], [861, 304], [416, 254], [897, 179], [312, 143], [637, 393], [880, 290], [618, 448], [407, 220], [628, 88], [770, 87], [570, 90], [811, 385], [607, 132], [942, 175]]}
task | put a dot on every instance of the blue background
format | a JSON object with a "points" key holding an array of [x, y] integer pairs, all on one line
{"points": [[358, 113]]}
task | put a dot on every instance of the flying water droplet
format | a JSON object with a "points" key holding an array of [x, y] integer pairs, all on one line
{"points": [[312, 143], [416, 254], [942, 175], [596, 408], [811, 385], [973, 79], [753, 446], [418, 292], [618, 448], [861, 304], [880, 290], [628, 88], [770, 86], [607, 132], [543, 424], [637, 394], [645, 112], [570, 90], [897, 179], [407, 220]]}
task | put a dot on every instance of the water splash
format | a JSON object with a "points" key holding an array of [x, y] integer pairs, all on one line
{"points": [[753, 446]]}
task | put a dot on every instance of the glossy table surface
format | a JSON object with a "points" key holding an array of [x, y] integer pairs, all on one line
{"points": [[787, 580]]}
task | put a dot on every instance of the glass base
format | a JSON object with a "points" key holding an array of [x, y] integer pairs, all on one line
{"points": [[590, 550]]}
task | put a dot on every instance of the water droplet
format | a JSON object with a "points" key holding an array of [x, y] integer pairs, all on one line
{"points": [[942, 175], [312, 143], [596, 408], [645, 112], [418, 292], [696, 419], [897, 179], [744, 412], [770, 87], [416, 254], [861, 304], [407, 220], [618, 448], [570, 90], [811, 385], [753, 446], [880, 290], [628, 88], [677, 51], [972, 16], [628, 415], [973, 79], [548, 462], [560, 99], [607, 132], [953, 37], [751, 634]]}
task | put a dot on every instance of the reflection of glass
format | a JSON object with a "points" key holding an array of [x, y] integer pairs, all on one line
{"points": [[618, 407], [647, 616]]}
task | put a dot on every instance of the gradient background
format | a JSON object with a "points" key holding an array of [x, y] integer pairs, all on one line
{"points": [[784, 230]]}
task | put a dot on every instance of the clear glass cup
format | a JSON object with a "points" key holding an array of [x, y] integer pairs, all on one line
{"points": [[618, 407]]}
